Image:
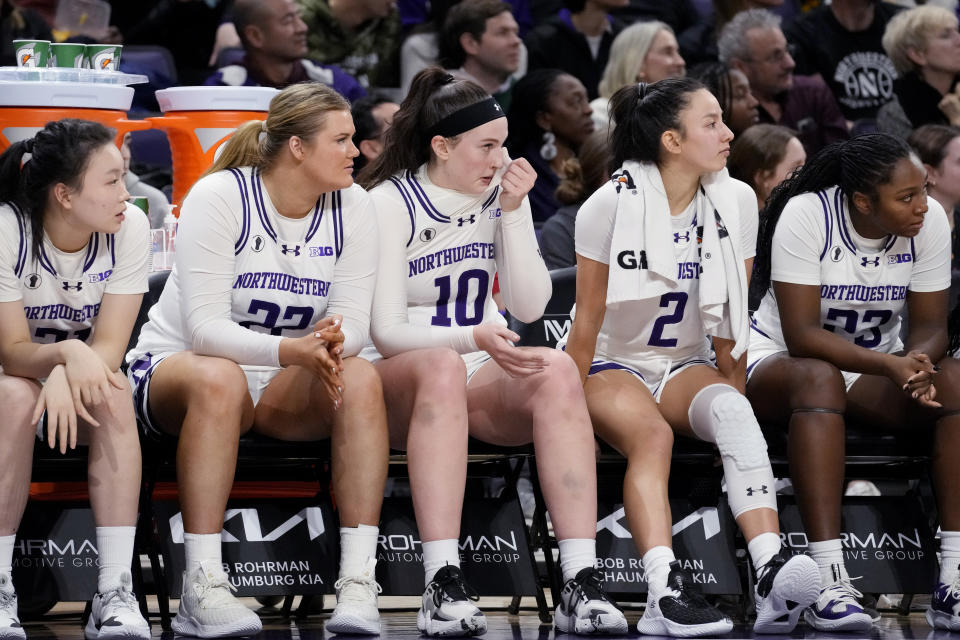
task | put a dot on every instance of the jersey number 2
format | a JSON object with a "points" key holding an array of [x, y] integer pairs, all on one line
{"points": [[442, 317], [656, 336]]}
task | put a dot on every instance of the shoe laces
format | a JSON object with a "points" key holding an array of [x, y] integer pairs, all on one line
{"points": [[121, 597], [845, 590], [591, 586], [452, 584], [356, 588], [214, 589]]}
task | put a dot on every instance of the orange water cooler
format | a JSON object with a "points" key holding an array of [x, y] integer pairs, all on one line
{"points": [[198, 120], [27, 105]]}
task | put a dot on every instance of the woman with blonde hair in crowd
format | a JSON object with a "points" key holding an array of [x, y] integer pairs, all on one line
{"points": [[267, 304], [924, 45], [643, 52]]}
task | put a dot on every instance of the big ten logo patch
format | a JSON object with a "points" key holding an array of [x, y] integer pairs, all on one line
{"points": [[99, 277], [320, 252], [495, 213], [900, 258]]}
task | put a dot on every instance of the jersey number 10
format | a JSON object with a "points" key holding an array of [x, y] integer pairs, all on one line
{"points": [[442, 317]]}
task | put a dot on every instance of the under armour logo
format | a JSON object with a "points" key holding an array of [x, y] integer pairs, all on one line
{"points": [[295, 250], [471, 219], [681, 237], [870, 262], [67, 287], [762, 489]]}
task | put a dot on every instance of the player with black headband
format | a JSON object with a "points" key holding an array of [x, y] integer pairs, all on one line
{"points": [[453, 212]]}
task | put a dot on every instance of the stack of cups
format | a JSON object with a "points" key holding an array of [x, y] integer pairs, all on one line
{"points": [[69, 55]]}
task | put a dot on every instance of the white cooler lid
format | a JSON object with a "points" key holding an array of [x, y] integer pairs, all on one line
{"points": [[215, 98], [77, 95]]}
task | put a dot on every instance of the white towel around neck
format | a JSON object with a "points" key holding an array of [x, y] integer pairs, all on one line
{"points": [[642, 230]]}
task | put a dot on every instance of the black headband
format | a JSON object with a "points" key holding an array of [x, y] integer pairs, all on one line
{"points": [[467, 118]]}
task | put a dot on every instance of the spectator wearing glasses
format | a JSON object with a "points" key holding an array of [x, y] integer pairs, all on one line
{"points": [[842, 42], [754, 43], [372, 116]]}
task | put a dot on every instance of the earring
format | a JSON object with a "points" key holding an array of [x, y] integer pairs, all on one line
{"points": [[549, 150]]}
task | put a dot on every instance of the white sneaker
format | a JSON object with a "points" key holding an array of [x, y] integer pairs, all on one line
{"points": [[585, 608], [784, 589], [208, 608], [838, 608], [10, 628], [116, 614], [356, 611], [447, 608]]}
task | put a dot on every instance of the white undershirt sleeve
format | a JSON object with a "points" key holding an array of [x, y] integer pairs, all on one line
{"points": [[594, 224], [390, 326], [931, 272], [798, 242], [354, 277], [205, 263], [524, 280]]}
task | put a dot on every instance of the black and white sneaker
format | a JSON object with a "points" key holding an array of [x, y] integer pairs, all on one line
{"points": [[784, 589], [585, 609], [448, 608], [681, 611]]}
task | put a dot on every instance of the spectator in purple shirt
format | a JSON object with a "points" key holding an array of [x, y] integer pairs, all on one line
{"points": [[274, 39], [754, 43]]}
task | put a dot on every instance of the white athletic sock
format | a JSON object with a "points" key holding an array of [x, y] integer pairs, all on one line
{"points": [[357, 546], [827, 553], [115, 545], [201, 547], [949, 555], [438, 554], [762, 548], [576, 554], [6, 553], [656, 567]]}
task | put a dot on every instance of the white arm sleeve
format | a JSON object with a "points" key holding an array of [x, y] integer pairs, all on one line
{"points": [[594, 226], [798, 241], [132, 251], [390, 326], [749, 218], [524, 280], [354, 278], [931, 271], [209, 225]]}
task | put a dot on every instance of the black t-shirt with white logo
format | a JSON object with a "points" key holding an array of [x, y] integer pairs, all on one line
{"points": [[853, 63]]}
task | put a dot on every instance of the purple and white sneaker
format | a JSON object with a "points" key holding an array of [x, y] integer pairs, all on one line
{"points": [[944, 611], [838, 608]]}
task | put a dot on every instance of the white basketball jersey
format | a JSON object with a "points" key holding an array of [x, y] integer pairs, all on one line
{"points": [[61, 292], [863, 283], [669, 326], [283, 268], [450, 258]]}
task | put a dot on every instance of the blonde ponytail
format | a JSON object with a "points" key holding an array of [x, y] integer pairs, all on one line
{"points": [[241, 150]]}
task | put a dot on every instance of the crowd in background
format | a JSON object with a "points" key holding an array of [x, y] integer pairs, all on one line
{"points": [[792, 76]]}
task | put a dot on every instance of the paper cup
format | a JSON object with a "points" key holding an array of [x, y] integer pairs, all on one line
{"points": [[32, 53], [104, 57], [68, 55]]}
